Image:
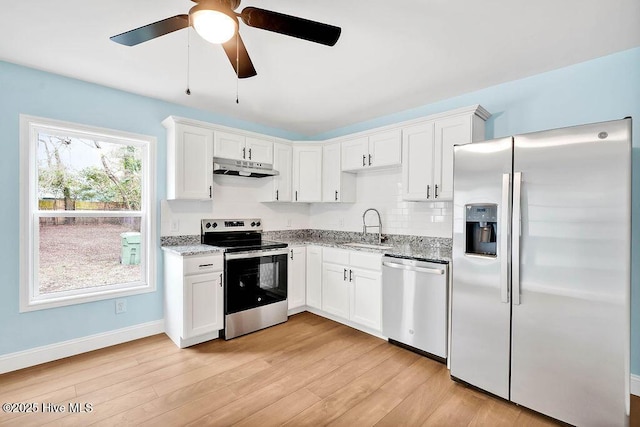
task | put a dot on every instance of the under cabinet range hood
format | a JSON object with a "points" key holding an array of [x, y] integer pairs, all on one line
{"points": [[242, 168]]}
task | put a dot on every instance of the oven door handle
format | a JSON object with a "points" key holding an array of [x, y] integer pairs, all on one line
{"points": [[256, 254]]}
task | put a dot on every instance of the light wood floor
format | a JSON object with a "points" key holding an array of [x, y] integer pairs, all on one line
{"points": [[308, 371]]}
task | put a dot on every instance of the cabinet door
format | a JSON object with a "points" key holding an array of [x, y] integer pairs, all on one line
{"points": [[337, 186], [365, 298], [331, 171], [229, 146], [296, 280], [417, 162], [282, 156], [307, 174], [314, 276], [259, 150], [355, 154], [448, 132], [193, 167], [203, 300], [335, 290], [385, 149]]}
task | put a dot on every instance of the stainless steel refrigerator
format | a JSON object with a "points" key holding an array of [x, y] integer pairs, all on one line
{"points": [[541, 271]]}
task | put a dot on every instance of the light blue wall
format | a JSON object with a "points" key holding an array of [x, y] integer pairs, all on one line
{"points": [[602, 89], [607, 88], [27, 91]]}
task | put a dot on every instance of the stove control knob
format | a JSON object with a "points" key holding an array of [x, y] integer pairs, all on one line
{"points": [[253, 224], [258, 224], [208, 225], [215, 224]]}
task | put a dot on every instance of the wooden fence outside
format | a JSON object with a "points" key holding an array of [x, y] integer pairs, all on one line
{"points": [[59, 205]]}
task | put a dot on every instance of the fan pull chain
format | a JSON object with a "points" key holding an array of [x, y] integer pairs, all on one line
{"points": [[237, 66], [188, 91]]}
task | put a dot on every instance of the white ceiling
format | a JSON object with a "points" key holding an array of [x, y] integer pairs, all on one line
{"points": [[391, 56]]}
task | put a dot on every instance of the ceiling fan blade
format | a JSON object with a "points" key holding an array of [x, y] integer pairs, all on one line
{"points": [[239, 57], [151, 31], [291, 25]]}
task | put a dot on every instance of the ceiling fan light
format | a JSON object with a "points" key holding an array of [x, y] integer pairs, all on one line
{"points": [[214, 26]]}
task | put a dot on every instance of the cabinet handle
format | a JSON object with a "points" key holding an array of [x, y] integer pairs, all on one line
{"points": [[364, 160], [296, 195], [336, 195], [344, 276], [350, 275], [205, 265], [210, 195], [428, 191], [244, 152], [249, 153], [220, 279], [436, 194], [277, 194], [291, 253], [369, 159]]}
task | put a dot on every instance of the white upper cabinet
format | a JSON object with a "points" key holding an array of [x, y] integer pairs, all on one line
{"points": [[189, 161], [229, 145], [259, 150], [239, 147], [385, 149], [337, 186], [280, 191], [427, 164], [378, 150], [307, 173], [449, 132], [354, 154], [417, 162]]}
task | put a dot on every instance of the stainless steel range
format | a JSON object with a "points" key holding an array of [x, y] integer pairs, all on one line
{"points": [[255, 274]]}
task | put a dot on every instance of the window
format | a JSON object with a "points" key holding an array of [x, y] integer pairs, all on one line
{"points": [[87, 215]]}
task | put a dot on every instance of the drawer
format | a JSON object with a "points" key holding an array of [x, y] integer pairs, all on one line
{"points": [[335, 256], [198, 264], [366, 260]]}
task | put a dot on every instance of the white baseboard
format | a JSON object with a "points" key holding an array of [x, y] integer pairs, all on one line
{"points": [[635, 385], [35, 356]]}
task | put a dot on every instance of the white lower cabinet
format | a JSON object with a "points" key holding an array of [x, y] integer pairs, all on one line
{"points": [[314, 277], [352, 286], [193, 299], [335, 289], [296, 280], [365, 299]]}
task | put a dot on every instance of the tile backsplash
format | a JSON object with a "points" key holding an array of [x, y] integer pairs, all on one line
{"points": [[382, 190], [238, 197]]}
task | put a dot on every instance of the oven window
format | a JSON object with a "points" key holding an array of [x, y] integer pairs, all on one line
{"points": [[253, 282]]}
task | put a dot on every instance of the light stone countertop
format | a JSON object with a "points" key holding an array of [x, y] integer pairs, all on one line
{"points": [[188, 250], [414, 247]]}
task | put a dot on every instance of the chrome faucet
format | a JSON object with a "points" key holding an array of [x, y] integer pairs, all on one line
{"points": [[365, 226]]}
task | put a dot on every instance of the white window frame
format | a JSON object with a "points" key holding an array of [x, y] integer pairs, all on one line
{"points": [[30, 300]]}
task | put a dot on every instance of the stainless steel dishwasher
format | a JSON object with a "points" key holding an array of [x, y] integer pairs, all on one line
{"points": [[415, 304]]}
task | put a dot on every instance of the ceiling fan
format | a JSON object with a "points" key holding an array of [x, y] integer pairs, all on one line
{"points": [[217, 22]]}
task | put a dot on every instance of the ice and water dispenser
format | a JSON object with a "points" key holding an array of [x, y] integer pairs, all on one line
{"points": [[481, 228]]}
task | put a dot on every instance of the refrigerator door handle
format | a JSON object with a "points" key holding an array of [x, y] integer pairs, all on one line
{"points": [[504, 239], [515, 238]]}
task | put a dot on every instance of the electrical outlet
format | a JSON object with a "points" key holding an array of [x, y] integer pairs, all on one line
{"points": [[288, 222], [175, 225], [121, 306], [341, 223]]}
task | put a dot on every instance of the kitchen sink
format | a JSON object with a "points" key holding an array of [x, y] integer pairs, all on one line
{"points": [[368, 246]]}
